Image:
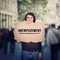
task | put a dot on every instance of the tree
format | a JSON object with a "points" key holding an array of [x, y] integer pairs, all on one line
{"points": [[35, 6]]}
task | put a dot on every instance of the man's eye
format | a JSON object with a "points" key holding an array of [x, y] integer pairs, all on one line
{"points": [[31, 17], [28, 17]]}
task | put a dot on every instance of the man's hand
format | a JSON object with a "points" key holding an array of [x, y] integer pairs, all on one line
{"points": [[39, 55]]}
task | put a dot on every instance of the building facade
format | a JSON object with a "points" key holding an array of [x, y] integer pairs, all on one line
{"points": [[58, 8], [8, 13], [53, 12]]}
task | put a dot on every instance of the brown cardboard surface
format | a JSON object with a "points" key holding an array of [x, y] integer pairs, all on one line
{"points": [[25, 32]]}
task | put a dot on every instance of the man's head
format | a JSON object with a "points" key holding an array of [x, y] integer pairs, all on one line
{"points": [[53, 25], [30, 17]]}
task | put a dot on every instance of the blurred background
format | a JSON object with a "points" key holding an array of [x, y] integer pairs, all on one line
{"points": [[13, 11]]}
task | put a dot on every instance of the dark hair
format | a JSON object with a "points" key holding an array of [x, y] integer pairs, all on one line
{"points": [[58, 27], [53, 25], [30, 13]]}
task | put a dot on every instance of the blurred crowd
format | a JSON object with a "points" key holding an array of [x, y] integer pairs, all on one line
{"points": [[7, 36], [52, 40]]}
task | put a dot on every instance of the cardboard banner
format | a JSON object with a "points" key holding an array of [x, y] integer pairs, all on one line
{"points": [[25, 32]]}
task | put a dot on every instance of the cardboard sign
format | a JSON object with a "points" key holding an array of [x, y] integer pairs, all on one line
{"points": [[33, 32]]}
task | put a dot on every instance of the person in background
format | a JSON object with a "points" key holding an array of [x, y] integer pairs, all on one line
{"points": [[58, 27], [31, 50], [1, 39], [12, 41], [52, 41], [5, 39], [59, 34]]}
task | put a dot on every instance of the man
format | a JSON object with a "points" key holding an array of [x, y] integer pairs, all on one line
{"points": [[31, 45], [52, 41]]}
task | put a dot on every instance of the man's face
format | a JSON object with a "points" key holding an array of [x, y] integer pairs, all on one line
{"points": [[29, 18]]}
